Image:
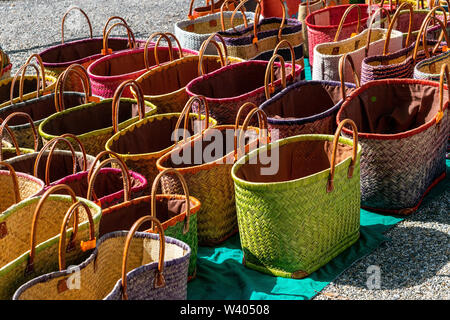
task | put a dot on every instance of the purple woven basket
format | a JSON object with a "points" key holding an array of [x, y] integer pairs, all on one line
{"points": [[305, 107]]}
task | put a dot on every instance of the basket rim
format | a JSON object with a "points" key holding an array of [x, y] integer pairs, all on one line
{"points": [[334, 26], [279, 185], [396, 136], [28, 177]]}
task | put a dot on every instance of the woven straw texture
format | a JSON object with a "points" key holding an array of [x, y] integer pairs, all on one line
{"points": [[29, 91], [428, 69], [211, 184], [93, 141], [326, 62], [225, 109], [292, 228], [101, 272], [145, 163], [186, 68], [303, 12], [192, 33], [323, 24], [399, 64], [29, 186], [311, 121], [15, 246], [398, 170], [105, 85]]}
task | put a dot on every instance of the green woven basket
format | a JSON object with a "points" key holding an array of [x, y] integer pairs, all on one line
{"points": [[296, 220]]}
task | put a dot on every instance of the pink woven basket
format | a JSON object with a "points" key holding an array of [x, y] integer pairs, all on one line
{"points": [[323, 24], [107, 73]]}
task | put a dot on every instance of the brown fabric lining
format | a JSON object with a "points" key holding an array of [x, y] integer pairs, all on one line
{"points": [[177, 75], [296, 160], [151, 137], [392, 108], [81, 49], [305, 101], [87, 119], [29, 85], [41, 108], [123, 217], [235, 81], [208, 141], [131, 62]]}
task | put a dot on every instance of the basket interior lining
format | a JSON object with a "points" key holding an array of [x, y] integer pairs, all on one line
{"points": [[391, 108], [297, 160], [29, 85]]}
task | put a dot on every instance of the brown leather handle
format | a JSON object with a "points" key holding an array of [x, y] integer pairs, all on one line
{"points": [[155, 52], [344, 17], [30, 121], [13, 139], [42, 68], [245, 106], [430, 14], [391, 26], [1, 62], [330, 183], [155, 185], [346, 57], [372, 19], [64, 19], [131, 38], [270, 88], [22, 70], [185, 114], [222, 20], [94, 172], [390, 4], [263, 125], [171, 35], [15, 181], [191, 7], [258, 16], [80, 71], [444, 73], [105, 27], [291, 49], [62, 249], [223, 56], [159, 279], [116, 101], [424, 38], [30, 264]]}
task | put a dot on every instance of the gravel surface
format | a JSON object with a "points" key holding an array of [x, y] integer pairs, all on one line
{"points": [[414, 264]]}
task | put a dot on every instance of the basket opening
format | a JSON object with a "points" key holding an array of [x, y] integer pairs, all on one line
{"points": [[76, 50], [212, 24], [176, 75], [130, 62], [29, 85], [40, 108], [152, 136], [27, 188], [79, 121], [231, 82], [214, 145], [330, 17], [315, 98], [297, 160], [391, 108], [122, 217]]}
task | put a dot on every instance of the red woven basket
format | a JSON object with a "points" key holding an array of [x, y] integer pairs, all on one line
{"points": [[323, 24]]}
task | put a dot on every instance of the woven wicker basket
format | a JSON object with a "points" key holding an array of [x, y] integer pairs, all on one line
{"points": [[39, 219], [140, 153], [210, 180], [296, 219], [94, 132], [5, 65], [230, 87], [158, 270], [109, 72], [84, 52], [304, 9], [404, 143]]}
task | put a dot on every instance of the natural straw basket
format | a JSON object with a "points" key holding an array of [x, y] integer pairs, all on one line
{"points": [[10, 150], [140, 153], [93, 132], [295, 220], [165, 86], [158, 270], [30, 236], [210, 181], [404, 143]]}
